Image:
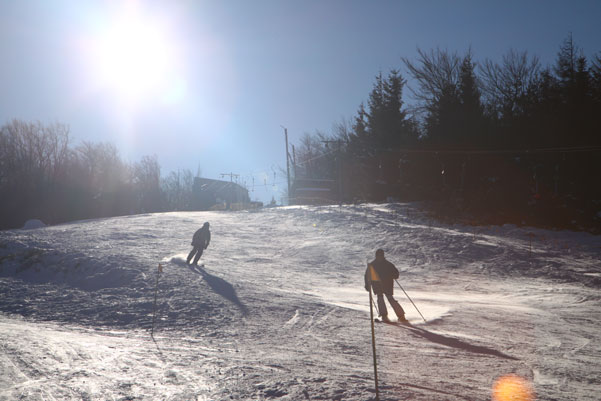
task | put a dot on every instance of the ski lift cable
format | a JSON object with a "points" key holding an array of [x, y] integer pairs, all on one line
{"points": [[566, 149], [264, 174], [559, 149], [574, 149], [316, 158]]}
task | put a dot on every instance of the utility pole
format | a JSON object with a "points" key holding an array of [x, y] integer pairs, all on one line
{"points": [[294, 161], [287, 161], [231, 175], [235, 190], [338, 143]]}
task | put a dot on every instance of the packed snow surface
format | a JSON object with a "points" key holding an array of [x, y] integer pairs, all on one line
{"points": [[278, 310]]}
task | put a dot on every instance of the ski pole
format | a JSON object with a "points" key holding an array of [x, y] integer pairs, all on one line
{"points": [[401, 287], [375, 305], [156, 289], [373, 342], [371, 298]]}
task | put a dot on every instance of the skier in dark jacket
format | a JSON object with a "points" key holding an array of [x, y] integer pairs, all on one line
{"points": [[381, 283], [200, 242]]}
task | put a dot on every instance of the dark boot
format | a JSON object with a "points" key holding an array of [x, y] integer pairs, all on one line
{"points": [[398, 309], [197, 257], [385, 318], [190, 255]]}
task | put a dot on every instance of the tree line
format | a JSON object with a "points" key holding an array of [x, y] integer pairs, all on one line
{"points": [[510, 137], [43, 176]]}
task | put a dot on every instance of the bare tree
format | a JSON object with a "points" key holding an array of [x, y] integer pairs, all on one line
{"points": [[507, 85], [177, 187], [33, 153], [102, 167], [311, 156], [435, 72], [32, 158], [147, 175]]}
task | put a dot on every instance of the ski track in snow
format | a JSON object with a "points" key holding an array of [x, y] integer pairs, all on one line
{"points": [[278, 311]]}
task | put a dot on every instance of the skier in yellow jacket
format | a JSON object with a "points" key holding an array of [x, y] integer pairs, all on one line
{"points": [[382, 284]]}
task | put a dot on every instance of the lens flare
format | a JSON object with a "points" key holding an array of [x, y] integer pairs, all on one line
{"points": [[512, 388]]}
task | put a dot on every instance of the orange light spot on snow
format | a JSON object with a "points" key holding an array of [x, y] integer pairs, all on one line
{"points": [[512, 388]]}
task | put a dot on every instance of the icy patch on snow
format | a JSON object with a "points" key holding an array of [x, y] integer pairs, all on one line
{"points": [[358, 299], [514, 302], [33, 223], [382, 208], [486, 243]]}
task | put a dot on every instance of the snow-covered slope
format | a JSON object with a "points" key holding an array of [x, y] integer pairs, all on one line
{"points": [[279, 311]]}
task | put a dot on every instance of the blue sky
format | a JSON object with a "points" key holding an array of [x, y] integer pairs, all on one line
{"points": [[218, 79]]}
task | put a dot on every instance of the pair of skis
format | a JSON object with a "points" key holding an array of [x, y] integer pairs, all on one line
{"points": [[392, 322], [406, 323]]}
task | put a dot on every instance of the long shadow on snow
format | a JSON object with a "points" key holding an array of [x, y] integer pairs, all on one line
{"points": [[455, 343], [221, 287]]}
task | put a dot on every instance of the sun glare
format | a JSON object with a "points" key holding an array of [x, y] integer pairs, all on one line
{"points": [[134, 58]]}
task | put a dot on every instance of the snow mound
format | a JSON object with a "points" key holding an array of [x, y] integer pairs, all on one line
{"points": [[179, 259], [38, 265], [33, 223]]}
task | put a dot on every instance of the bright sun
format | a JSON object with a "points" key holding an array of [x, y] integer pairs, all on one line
{"points": [[134, 58]]}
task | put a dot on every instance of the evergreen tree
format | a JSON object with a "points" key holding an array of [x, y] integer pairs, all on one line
{"points": [[565, 67], [572, 73], [360, 124], [577, 106], [444, 119], [596, 79], [595, 88], [394, 116], [544, 117], [472, 114], [376, 115], [384, 125]]}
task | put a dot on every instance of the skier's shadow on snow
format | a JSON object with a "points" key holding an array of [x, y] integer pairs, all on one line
{"points": [[455, 343], [221, 287]]}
